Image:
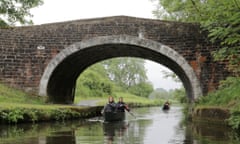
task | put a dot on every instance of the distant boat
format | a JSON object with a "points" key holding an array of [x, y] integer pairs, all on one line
{"points": [[113, 116], [166, 106]]}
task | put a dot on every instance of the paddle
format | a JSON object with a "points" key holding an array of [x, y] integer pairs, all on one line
{"points": [[131, 114]]}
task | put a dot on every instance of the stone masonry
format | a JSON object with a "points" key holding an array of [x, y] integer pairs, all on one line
{"points": [[47, 59]]}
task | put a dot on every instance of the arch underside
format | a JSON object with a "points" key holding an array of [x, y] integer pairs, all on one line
{"points": [[59, 79]]}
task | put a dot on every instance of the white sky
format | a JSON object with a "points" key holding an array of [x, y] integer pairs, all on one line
{"points": [[64, 10]]}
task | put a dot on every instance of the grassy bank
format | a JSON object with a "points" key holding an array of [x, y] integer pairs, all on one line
{"points": [[17, 106], [227, 98], [130, 99], [10, 95]]}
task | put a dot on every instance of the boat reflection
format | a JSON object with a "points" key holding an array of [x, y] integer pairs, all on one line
{"points": [[114, 130]]}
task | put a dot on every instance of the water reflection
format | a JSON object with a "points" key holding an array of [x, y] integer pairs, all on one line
{"points": [[64, 137], [114, 129], [152, 125], [205, 133]]}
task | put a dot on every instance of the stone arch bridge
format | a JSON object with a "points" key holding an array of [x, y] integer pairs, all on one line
{"points": [[47, 59]]}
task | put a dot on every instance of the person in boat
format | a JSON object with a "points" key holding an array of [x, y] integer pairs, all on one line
{"points": [[166, 105], [121, 106], [111, 106]]}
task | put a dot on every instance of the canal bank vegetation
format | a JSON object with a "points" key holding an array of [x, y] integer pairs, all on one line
{"points": [[226, 99], [125, 74], [17, 106]]}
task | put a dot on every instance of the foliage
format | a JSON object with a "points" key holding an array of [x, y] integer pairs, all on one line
{"points": [[16, 113], [220, 17], [171, 75], [126, 72], [12, 116], [174, 95], [160, 93], [141, 89], [234, 120], [114, 75], [228, 96], [13, 11], [180, 95], [94, 82]]}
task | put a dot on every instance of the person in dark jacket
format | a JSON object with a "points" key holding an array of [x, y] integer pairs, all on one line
{"points": [[121, 106], [110, 106]]}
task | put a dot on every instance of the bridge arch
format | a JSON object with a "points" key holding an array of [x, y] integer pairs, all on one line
{"points": [[59, 78]]}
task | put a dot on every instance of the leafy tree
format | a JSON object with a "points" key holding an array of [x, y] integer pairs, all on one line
{"points": [[114, 75], [126, 72], [171, 75], [94, 82], [159, 93], [180, 95], [220, 17], [142, 89], [16, 11]]}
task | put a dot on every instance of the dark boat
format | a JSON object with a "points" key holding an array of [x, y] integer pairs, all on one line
{"points": [[113, 116], [166, 107]]}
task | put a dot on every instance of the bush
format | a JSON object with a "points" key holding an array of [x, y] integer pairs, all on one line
{"points": [[12, 116], [228, 96], [234, 120]]}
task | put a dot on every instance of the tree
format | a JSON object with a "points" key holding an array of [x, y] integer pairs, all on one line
{"points": [[159, 93], [221, 18], [109, 76], [94, 82], [16, 11], [142, 89], [171, 75], [126, 72]]}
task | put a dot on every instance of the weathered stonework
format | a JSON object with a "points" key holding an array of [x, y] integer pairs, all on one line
{"points": [[47, 59]]}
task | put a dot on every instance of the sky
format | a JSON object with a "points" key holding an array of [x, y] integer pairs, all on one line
{"points": [[64, 10]]}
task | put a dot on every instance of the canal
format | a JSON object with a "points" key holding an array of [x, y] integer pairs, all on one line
{"points": [[146, 126]]}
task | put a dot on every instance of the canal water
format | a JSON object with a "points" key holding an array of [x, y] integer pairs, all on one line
{"points": [[145, 126]]}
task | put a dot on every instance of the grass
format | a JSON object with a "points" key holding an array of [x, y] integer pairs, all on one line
{"points": [[226, 97], [133, 99], [128, 98], [17, 106], [10, 95]]}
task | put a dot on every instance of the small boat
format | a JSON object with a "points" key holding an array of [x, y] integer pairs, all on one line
{"points": [[113, 116], [166, 107]]}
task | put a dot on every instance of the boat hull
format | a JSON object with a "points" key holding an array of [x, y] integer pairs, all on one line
{"points": [[165, 107], [114, 116]]}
